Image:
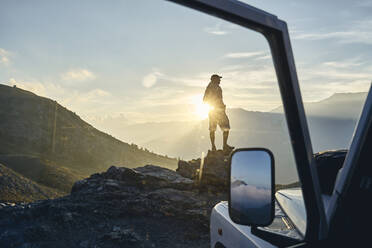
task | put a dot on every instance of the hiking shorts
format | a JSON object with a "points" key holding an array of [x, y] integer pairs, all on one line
{"points": [[218, 116]]}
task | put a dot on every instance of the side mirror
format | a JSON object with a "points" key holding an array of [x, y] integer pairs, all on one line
{"points": [[251, 198]]}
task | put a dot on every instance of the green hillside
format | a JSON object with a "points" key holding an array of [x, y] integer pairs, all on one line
{"points": [[16, 188], [53, 146], [42, 172]]}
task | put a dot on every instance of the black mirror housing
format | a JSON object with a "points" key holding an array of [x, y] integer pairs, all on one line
{"points": [[252, 187]]}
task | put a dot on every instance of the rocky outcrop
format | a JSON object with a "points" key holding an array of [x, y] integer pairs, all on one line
{"points": [[211, 172], [215, 170], [189, 169], [147, 206]]}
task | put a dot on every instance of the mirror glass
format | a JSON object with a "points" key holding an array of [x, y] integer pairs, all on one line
{"points": [[251, 201]]}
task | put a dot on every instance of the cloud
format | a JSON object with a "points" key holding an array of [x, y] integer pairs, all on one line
{"points": [[264, 57], [78, 75], [343, 64], [364, 4], [324, 79], [322, 36], [35, 87], [4, 56], [58, 92], [86, 103], [251, 85], [358, 32], [244, 55], [150, 79], [93, 95], [216, 30], [257, 196]]}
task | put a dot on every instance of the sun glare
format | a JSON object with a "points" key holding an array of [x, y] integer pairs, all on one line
{"points": [[201, 109]]}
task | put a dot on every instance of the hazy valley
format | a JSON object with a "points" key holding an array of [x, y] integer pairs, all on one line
{"points": [[331, 123]]}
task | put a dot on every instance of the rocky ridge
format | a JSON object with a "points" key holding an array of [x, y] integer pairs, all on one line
{"points": [[210, 173], [148, 206]]}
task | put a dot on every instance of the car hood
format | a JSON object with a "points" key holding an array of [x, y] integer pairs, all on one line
{"points": [[292, 204]]}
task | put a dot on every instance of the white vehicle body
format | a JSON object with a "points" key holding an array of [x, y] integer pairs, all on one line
{"points": [[290, 220]]}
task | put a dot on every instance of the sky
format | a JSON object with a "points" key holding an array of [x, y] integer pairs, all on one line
{"points": [[252, 166], [150, 61]]}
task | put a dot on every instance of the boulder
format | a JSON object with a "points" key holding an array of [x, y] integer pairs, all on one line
{"points": [[215, 171], [209, 173], [162, 176], [189, 169], [147, 177]]}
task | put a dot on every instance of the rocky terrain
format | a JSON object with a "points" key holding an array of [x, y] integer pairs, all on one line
{"points": [[147, 206], [210, 173], [16, 188]]}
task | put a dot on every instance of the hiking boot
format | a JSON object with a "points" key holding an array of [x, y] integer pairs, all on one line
{"points": [[228, 148]]}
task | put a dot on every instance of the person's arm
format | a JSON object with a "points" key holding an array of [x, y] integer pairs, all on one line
{"points": [[221, 98], [206, 95]]}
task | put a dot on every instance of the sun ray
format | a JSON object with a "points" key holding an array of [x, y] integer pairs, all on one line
{"points": [[201, 109]]}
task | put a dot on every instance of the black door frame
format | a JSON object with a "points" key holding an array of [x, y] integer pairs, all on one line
{"points": [[276, 33]]}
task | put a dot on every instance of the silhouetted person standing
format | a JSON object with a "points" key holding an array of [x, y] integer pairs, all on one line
{"points": [[217, 115]]}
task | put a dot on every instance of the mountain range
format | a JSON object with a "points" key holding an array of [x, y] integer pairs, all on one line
{"points": [[53, 147], [337, 106], [331, 124]]}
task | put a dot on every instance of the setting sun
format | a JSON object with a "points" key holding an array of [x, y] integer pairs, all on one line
{"points": [[201, 109]]}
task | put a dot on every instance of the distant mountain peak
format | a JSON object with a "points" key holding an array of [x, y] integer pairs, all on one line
{"points": [[346, 105], [346, 96]]}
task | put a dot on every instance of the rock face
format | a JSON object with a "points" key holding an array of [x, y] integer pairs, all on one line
{"points": [[148, 206], [215, 170], [211, 172], [189, 169]]}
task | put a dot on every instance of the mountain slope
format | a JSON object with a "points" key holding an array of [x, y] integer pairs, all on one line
{"points": [[42, 172], [16, 188], [331, 123], [67, 148], [339, 105]]}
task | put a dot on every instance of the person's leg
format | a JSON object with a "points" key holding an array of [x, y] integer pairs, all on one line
{"points": [[212, 128], [225, 126], [225, 137], [212, 136]]}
